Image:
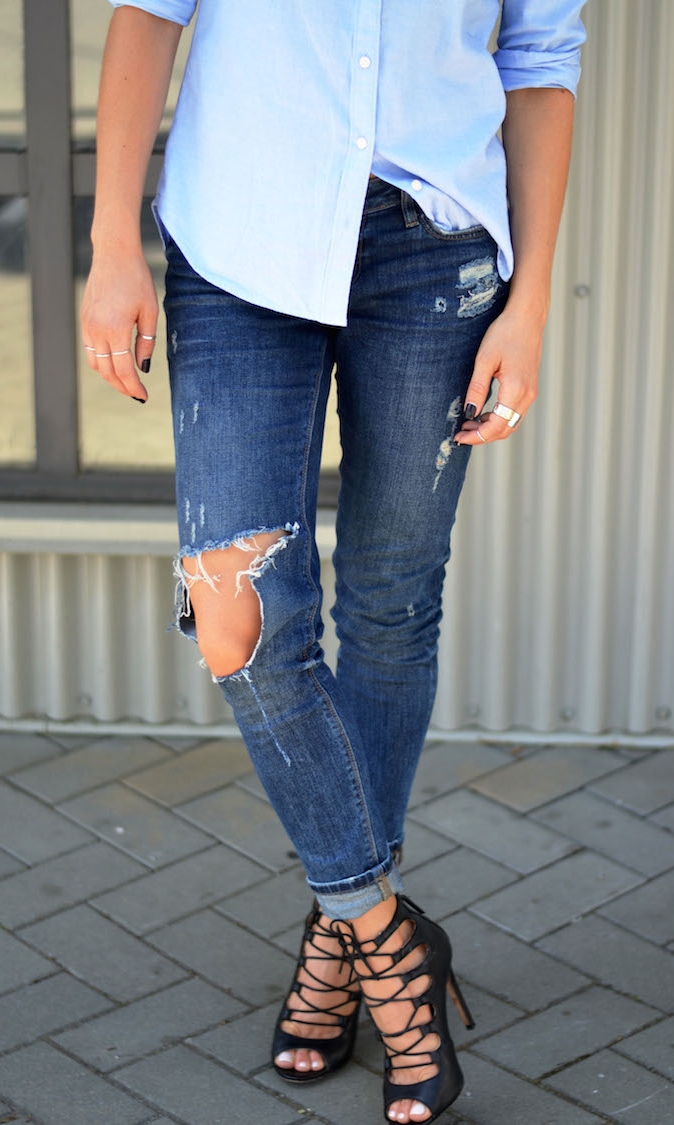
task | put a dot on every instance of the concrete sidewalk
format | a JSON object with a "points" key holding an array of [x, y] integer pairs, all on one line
{"points": [[151, 907]]}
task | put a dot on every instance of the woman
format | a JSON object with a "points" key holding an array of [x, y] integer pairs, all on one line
{"points": [[334, 192]]}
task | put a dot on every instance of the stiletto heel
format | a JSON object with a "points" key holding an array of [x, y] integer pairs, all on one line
{"points": [[459, 1002], [367, 957], [335, 1051]]}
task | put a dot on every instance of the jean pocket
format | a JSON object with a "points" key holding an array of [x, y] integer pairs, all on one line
{"points": [[434, 229]]}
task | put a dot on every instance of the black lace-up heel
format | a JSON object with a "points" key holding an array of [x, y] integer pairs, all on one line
{"points": [[366, 957], [336, 1051]]}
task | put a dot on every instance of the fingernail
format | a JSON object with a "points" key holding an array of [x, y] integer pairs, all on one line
{"points": [[470, 411], [145, 365], [138, 399]]}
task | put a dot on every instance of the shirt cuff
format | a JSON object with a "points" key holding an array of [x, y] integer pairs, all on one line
{"points": [[522, 69], [177, 11]]}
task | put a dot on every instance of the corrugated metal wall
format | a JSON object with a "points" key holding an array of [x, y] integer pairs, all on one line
{"points": [[563, 575], [560, 593]]}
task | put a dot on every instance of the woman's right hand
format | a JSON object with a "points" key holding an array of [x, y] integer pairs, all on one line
{"points": [[119, 298]]}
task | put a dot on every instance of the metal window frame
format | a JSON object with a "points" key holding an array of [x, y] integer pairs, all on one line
{"points": [[51, 173]]}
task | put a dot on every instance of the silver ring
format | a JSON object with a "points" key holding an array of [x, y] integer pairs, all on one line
{"points": [[143, 337], [103, 355], [127, 351], [507, 413], [480, 436], [89, 348]]}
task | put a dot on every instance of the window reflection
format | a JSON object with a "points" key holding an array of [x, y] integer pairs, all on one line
{"points": [[88, 27], [17, 431], [12, 116]]}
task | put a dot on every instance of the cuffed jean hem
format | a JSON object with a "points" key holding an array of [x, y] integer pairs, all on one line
{"points": [[351, 904]]}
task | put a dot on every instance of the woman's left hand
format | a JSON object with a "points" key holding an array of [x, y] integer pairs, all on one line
{"points": [[510, 352]]}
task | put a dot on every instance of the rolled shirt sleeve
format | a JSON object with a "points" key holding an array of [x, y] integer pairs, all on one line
{"points": [[177, 11], [539, 44]]}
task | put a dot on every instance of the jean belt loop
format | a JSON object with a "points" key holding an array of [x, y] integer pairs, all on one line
{"points": [[410, 209]]}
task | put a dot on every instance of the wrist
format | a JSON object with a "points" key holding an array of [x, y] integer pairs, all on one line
{"points": [[532, 303]]}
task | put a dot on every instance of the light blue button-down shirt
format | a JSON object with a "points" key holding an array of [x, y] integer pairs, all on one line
{"points": [[286, 107]]}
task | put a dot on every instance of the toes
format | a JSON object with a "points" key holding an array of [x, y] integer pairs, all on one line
{"points": [[407, 1110], [301, 1060]]}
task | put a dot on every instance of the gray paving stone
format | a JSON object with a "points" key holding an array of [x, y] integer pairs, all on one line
{"points": [[507, 967], [90, 766], [665, 817], [645, 786], [448, 884], [200, 1092], [653, 1047], [13, 1117], [32, 832], [139, 827], [547, 774], [62, 882], [355, 1102], [648, 911], [615, 957], [619, 1088], [229, 956], [190, 884], [46, 1006], [605, 828], [19, 964], [490, 1015], [368, 1050], [549, 898], [72, 741], [190, 774], [245, 823], [291, 900], [491, 1096], [102, 954], [290, 939], [447, 765], [9, 865], [495, 831], [66, 1093], [252, 784], [566, 1031], [137, 1029], [179, 744], [421, 845], [244, 1043], [20, 750]]}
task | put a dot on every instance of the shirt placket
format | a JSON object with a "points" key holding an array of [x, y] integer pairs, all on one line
{"points": [[364, 66]]}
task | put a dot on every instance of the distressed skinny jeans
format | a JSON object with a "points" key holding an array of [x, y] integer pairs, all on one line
{"points": [[336, 753]]}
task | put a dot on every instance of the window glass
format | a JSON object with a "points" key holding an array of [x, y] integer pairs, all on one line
{"points": [[89, 21], [12, 115], [17, 430]]}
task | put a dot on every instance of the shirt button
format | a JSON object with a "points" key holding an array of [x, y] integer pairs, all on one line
{"points": [[364, 61], [416, 185], [361, 142]]}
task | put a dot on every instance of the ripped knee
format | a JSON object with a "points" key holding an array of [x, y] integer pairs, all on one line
{"points": [[217, 593]]}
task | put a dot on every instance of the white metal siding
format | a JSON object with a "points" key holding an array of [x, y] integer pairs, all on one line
{"points": [[560, 592]]}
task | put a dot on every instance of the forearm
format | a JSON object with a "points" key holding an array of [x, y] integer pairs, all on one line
{"points": [[137, 63], [537, 141]]}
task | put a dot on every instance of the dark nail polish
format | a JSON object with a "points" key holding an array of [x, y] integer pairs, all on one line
{"points": [[145, 365], [138, 399], [469, 411]]}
